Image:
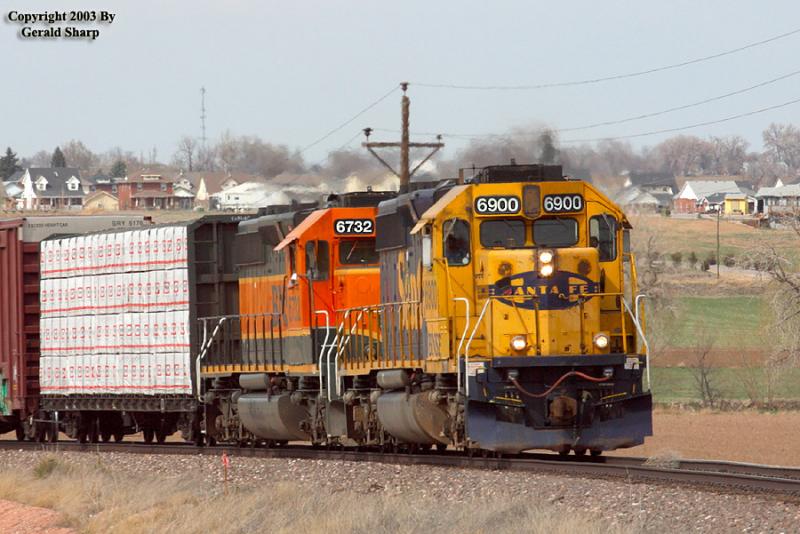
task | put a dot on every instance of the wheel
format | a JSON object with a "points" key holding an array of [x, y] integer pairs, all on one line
{"points": [[596, 452], [40, 432], [580, 451], [564, 452], [83, 437], [161, 436], [105, 436], [119, 436], [94, 434], [485, 453], [148, 435], [52, 433], [20, 432], [441, 447]]}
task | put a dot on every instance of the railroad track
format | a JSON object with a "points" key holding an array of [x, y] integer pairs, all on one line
{"points": [[713, 474]]}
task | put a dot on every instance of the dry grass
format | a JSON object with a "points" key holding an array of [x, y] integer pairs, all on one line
{"points": [[96, 499]]}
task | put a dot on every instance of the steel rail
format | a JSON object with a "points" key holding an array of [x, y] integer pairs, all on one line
{"points": [[709, 473]]}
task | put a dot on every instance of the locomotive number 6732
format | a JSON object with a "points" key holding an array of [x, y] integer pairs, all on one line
{"points": [[353, 226]]}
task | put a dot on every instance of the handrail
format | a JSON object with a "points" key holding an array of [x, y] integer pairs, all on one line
{"points": [[339, 353], [204, 350], [325, 341], [463, 336], [644, 340], [334, 343], [469, 343]]}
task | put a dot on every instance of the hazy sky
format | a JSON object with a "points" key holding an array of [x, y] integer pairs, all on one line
{"points": [[291, 71]]}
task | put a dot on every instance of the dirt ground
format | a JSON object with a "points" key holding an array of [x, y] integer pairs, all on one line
{"points": [[16, 518], [764, 438]]}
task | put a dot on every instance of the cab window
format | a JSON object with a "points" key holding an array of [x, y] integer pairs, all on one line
{"points": [[317, 260], [456, 242], [603, 236], [504, 233], [357, 252], [555, 232]]}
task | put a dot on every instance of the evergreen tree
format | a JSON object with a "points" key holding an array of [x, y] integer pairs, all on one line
{"points": [[8, 164], [58, 159], [119, 169]]}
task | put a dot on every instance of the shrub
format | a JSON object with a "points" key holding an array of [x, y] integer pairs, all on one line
{"points": [[712, 258], [729, 260], [692, 259], [676, 257], [705, 265], [45, 467]]}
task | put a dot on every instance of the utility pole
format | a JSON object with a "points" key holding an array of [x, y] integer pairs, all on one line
{"points": [[203, 115], [719, 209], [405, 173]]}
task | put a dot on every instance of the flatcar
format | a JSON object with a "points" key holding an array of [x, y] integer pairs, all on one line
{"points": [[507, 318]]}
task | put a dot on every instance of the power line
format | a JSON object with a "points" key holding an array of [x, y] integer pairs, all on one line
{"points": [[605, 78], [627, 119], [351, 119], [680, 128], [680, 108]]}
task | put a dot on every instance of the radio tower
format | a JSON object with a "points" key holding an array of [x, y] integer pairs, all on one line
{"points": [[203, 115]]}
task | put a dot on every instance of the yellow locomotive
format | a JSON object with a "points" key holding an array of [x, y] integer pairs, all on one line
{"points": [[508, 319]]}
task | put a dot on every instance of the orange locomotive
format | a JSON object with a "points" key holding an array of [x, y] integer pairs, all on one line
{"points": [[297, 267]]}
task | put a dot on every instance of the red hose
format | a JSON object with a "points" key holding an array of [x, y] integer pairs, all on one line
{"points": [[554, 386]]}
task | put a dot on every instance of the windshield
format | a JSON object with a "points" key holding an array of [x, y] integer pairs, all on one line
{"points": [[555, 232], [505, 233], [357, 252]]}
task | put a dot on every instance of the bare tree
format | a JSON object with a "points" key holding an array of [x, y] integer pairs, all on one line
{"points": [[702, 368], [782, 145], [78, 155], [184, 157]]}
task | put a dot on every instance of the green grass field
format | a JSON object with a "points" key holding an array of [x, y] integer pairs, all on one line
{"points": [[728, 322], [672, 384]]}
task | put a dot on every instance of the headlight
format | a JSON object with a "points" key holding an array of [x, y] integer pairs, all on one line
{"points": [[545, 256], [546, 270], [601, 340], [519, 343]]}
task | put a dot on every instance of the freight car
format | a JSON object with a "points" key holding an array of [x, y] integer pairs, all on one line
{"points": [[119, 326], [508, 319], [19, 309]]}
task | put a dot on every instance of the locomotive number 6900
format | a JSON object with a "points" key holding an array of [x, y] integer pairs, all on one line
{"points": [[496, 205], [353, 226], [562, 203]]}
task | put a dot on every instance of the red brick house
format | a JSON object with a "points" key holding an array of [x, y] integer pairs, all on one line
{"points": [[149, 190]]}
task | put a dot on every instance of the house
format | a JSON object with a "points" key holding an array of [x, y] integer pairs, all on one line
{"points": [[246, 196], [150, 190], [204, 184], [652, 181], [635, 197], [101, 201], [45, 188], [696, 196], [778, 199]]}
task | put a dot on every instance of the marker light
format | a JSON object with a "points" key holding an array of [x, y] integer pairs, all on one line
{"points": [[546, 270], [601, 340], [519, 343], [545, 256]]}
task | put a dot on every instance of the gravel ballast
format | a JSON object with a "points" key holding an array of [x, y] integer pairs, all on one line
{"points": [[647, 507]]}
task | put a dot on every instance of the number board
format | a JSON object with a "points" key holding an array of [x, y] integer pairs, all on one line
{"points": [[353, 226], [562, 203], [497, 205]]}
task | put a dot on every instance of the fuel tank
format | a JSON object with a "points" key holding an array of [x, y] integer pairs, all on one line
{"points": [[272, 416], [413, 418]]}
